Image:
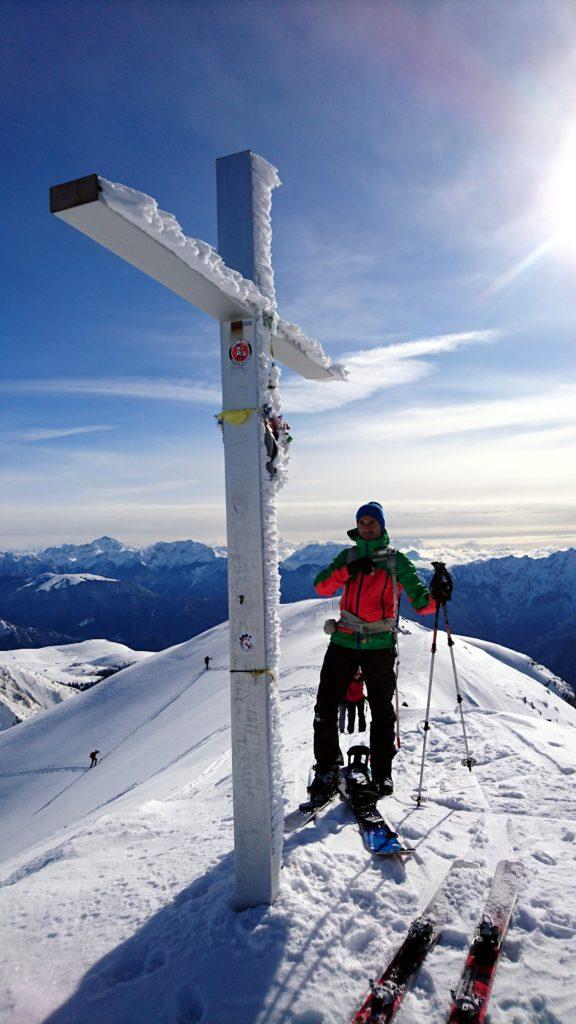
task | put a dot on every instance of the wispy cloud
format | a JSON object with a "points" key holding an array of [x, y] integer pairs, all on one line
{"points": [[518, 413], [50, 433], [374, 369], [159, 389]]}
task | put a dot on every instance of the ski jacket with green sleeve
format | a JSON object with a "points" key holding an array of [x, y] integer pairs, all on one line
{"points": [[370, 597]]}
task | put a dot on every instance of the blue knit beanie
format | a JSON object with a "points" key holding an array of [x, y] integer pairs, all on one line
{"points": [[374, 509]]}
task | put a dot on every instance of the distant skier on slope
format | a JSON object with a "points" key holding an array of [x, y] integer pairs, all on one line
{"points": [[364, 637], [207, 661], [94, 757]]}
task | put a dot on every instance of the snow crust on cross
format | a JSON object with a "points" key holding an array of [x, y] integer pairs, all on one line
{"points": [[131, 224]]}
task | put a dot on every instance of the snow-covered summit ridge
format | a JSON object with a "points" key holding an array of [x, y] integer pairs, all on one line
{"points": [[109, 552], [176, 554], [313, 554], [59, 581], [183, 552], [34, 679], [150, 829]]}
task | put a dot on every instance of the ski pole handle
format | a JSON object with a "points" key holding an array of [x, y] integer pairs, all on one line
{"points": [[441, 583]]}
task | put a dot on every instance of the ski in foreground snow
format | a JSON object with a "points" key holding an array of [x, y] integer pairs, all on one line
{"points": [[388, 991], [306, 812], [470, 999], [361, 798]]}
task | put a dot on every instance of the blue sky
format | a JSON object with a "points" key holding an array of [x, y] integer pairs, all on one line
{"points": [[425, 232]]}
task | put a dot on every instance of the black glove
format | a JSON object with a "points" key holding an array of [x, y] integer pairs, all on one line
{"points": [[365, 565], [441, 583]]}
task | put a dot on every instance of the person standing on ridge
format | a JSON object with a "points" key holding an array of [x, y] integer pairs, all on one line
{"points": [[94, 757], [364, 637], [207, 661], [354, 701]]}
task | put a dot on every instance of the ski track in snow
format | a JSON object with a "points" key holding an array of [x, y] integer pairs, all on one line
{"points": [[118, 904]]}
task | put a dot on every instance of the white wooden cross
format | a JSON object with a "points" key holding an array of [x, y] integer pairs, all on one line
{"points": [[236, 286]]}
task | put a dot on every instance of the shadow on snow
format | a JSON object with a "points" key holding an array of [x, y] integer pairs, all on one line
{"points": [[196, 960]]}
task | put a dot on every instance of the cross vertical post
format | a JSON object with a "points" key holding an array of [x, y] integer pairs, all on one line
{"points": [[252, 558], [236, 287]]}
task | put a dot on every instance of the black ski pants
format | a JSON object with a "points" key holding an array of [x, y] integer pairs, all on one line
{"points": [[339, 667]]}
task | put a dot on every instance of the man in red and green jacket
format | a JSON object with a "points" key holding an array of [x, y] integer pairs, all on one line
{"points": [[364, 637]]}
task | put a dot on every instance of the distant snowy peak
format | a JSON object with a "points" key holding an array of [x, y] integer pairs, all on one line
{"points": [[176, 554], [314, 554], [103, 549], [13, 563], [106, 555], [59, 581]]}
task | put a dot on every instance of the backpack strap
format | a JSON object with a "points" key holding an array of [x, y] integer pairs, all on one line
{"points": [[388, 557]]}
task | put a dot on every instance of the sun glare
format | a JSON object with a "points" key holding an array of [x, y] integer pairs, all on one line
{"points": [[561, 201]]}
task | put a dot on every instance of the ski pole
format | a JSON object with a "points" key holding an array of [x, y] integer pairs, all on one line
{"points": [[427, 719], [398, 740], [467, 761], [397, 675]]}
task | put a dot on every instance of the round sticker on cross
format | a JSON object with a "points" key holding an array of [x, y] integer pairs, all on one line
{"points": [[240, 351]]}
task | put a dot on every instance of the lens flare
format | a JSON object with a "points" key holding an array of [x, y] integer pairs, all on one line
{"points": [[561, 199]]}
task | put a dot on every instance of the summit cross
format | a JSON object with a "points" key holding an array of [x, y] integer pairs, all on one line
{"points": [[235, 286]]}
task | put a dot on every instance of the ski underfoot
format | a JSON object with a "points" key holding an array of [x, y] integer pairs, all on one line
{"points": [[378, 838], [355, 788], [305, 812]]}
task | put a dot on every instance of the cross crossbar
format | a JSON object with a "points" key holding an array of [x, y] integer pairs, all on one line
{"points": [[129, 224]]}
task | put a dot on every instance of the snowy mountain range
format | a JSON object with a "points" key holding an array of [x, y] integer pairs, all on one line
{"points": [[147, 598], [117, 882], [525, 603], [163, 594]]}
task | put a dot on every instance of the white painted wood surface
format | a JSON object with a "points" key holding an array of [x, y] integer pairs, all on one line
{"points": [[257, 836], [109, 228]]}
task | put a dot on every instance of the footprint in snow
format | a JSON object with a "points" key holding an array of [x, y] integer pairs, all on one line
{"points": [[357, 940], [544, 857], [189, 1010]]}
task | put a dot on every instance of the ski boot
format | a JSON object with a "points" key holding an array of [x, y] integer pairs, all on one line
{"points": [[324, 785], [384, 786]]}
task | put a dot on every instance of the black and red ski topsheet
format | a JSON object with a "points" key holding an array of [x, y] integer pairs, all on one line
{"points": [[470, 998], [386, 994]]}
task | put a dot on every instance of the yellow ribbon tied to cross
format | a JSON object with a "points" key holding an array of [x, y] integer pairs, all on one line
{"points": [[235, 416]]}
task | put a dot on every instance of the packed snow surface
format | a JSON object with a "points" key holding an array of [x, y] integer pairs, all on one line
{"points": [[32, 679], [117, 883]]}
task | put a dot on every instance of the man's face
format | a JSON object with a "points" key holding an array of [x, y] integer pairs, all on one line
{"points": [[369, 528]]}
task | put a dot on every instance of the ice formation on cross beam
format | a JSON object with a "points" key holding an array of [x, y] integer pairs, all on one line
{"points": [[264, 179], [143, 211]]}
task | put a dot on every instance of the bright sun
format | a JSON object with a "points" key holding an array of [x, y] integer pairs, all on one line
{"points": [[561, 202]]}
